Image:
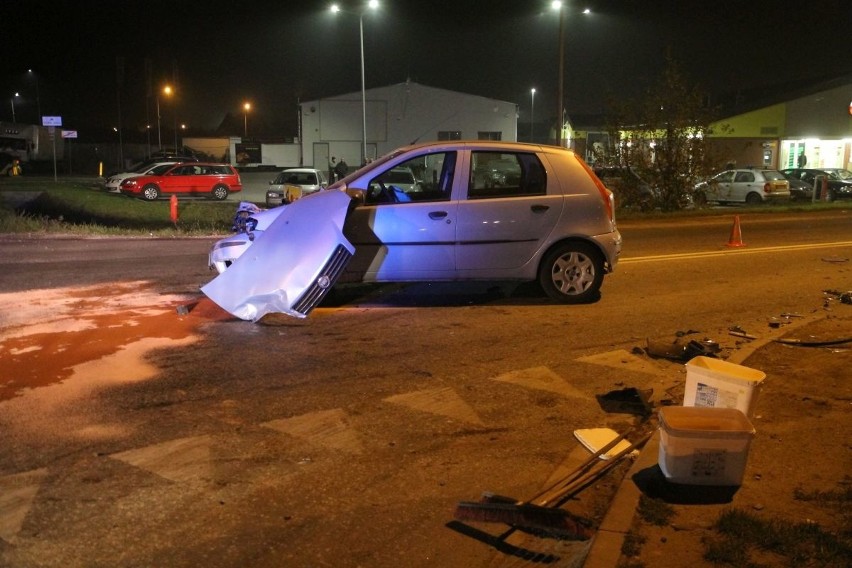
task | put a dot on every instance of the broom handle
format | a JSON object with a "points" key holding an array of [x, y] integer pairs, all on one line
{"points": [[581, 480], [585, 465]]}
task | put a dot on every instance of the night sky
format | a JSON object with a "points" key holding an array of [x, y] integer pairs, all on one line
{"points": [[275, 53]]}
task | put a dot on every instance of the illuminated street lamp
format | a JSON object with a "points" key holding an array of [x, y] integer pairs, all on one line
{"points": [[372, 4], [559, 6], [246, 108], [12, 99], [532, 111]]}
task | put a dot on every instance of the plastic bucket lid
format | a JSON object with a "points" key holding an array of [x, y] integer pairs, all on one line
{"points": [[725, 370], [705, 422]]}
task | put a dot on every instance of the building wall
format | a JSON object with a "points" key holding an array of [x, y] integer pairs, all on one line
{"points": [[767, 122], [399, 115]]}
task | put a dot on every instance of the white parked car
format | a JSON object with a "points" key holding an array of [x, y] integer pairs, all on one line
{"points": [[750, 185], [307, 180], [113, 182], [552, 221]]}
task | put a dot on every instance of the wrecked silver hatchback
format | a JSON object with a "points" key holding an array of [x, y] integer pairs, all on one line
{"points": [[499, 211]]}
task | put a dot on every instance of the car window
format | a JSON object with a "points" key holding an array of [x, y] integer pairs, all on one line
{"points": [[496, 174], [160, 170], [744, 177], [724, 177], [428, 177]]}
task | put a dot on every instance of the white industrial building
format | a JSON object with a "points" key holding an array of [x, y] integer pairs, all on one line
{"points": [[398, 115]]}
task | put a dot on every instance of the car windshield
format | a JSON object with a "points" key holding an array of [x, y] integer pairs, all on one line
{"points": [[297, 178], [840, 174], [772, 175]]}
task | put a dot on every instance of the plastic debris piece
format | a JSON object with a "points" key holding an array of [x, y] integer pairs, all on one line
{"points": [[596, 438]]}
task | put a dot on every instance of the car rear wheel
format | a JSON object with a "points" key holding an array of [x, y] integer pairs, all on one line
{"points": [[150, 192], [220, 192], [754, 199], [572, 273]]}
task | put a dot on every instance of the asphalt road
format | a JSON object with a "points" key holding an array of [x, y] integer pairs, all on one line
{"points": [[345, 439]]}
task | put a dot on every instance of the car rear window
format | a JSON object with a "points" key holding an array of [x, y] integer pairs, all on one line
{"points": [[772, 175], [506, 175]]}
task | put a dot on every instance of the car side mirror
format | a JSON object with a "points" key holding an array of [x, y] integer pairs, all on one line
{"points": [[359, 195]]}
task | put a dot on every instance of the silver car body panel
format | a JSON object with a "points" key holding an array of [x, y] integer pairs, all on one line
{"points": [[292, 264]]}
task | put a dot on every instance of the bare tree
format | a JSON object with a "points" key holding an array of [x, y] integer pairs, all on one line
{"points": [[663, 137]]}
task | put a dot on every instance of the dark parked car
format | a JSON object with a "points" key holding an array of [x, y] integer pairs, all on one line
{"points": [[799, 190], [839, 181]]}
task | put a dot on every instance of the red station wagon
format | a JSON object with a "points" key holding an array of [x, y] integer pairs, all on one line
{"points": [[187, 179]]}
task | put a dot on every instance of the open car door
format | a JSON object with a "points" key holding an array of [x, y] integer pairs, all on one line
{"points": [[292, 265]]}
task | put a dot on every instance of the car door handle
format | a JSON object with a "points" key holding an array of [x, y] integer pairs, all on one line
{"points": [[539, 208], [437, 214]]}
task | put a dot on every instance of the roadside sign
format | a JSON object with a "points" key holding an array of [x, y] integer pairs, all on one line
{"points": [[69, 134], [51, 121]]}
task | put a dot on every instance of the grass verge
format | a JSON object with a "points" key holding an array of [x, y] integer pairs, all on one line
{"points": [[84, 208]]}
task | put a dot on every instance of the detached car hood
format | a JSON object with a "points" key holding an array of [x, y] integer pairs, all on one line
{"points": [[292, 264]]}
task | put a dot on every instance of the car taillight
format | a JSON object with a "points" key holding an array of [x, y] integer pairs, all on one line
{"points": [[606, 195], [767, 187]]}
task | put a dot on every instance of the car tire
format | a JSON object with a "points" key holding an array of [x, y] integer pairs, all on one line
{"points": [[572, 273], [753, 199], [150, 192], [220, 192], [699, 198]]}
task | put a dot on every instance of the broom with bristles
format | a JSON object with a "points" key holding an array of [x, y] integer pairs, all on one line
{"points": [[541, 511]]}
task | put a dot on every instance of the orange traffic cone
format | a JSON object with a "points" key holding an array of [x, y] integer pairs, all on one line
{"points": [[736, 239]]}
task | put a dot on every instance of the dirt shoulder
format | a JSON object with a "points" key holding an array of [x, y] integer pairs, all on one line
{"points": [[793, 505]]}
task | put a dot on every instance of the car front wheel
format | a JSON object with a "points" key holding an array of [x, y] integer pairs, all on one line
{"points": [[572, 273], [150, 192], [220, 192]]}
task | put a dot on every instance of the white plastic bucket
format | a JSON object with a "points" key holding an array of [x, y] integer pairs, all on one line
{"points": [[720, 384], [704, 445]]}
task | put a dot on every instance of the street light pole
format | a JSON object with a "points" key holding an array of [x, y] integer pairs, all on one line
{"points": [[363, 94], [559, 113], [38, 99], [246, 108], [372, 4], [159, 131], [560, 116], [12, 99], [532, 111]]}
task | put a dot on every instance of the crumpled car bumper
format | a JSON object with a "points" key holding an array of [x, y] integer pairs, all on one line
{"points": [[290, 266]]}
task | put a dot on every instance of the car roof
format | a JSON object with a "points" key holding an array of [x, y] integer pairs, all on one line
{"points": [[484, 144]]}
